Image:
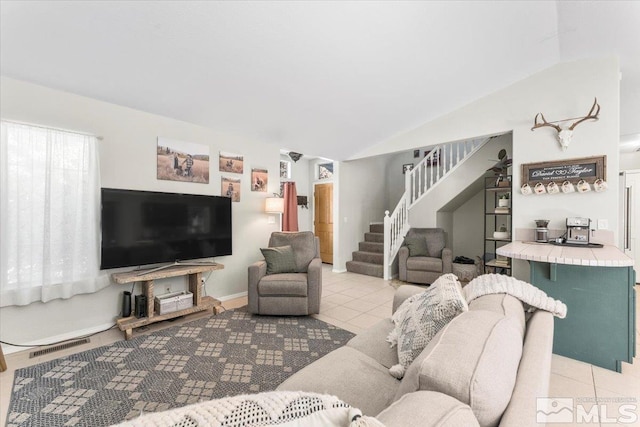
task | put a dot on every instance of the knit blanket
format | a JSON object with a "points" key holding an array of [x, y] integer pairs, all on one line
{"points": [[527, 293], [282, 408]]}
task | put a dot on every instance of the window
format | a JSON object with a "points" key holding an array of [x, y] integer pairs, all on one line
{"points": [[49, 214], [285, 169], [325, 171]]}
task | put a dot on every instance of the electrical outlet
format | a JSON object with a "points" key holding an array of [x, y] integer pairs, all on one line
{"points": [[603, 224]]}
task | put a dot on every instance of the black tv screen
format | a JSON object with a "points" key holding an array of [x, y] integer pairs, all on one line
{"points": [[145, 227]]}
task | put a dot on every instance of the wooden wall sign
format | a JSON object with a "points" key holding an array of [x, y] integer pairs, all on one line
{"points": [[573, 170]]}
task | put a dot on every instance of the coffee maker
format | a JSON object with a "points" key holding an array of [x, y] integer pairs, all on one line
{"points": [[542, 232], [578, 231]]}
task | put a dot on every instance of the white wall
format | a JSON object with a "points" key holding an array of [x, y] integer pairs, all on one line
{"points": [[395, 179], [630, 161], [128, 160], [468, 228], [361, 201], [424, 213], [562, 91]]}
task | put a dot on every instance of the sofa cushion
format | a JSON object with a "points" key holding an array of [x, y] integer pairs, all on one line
{"points": [[417, 246], [279, 259], [423, 263], [427, 408], [475, 359], [290, 284], [303, 244], [351, 376], [502, 304], [373, 343], [421, 316], [404, 292]]}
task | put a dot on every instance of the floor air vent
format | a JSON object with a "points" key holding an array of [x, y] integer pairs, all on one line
{"points": [[58, 347]]}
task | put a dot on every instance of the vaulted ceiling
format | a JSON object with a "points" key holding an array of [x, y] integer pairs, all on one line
{"points": [[321, 78]]}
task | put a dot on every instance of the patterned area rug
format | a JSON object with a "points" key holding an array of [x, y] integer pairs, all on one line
{"points": [[228, 354]]}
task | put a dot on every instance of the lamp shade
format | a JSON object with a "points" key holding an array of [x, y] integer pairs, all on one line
{"points": [[274, 205]]}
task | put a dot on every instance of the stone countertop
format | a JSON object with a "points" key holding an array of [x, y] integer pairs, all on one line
{"points": [[607, 256]]}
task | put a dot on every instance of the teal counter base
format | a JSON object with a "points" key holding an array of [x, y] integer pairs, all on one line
{"points": [[600, 323]]}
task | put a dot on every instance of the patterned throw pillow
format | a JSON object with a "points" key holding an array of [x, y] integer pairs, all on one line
{"points": [[421, 316], [279, 259], [417, 246]]}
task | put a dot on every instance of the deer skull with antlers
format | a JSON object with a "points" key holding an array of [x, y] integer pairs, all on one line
{"points": [[566, 133]]}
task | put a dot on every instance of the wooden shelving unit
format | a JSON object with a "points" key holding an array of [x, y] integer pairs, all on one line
{"points": [[492, 221], [146, 278]]}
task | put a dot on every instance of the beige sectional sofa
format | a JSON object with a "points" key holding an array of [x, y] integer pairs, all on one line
{"points": [[486, 367]]}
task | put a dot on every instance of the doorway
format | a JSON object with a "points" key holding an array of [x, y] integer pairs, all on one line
{"points": [[323, 220], [631, 217]]}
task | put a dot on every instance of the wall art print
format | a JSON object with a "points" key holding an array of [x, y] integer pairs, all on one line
{"points": [[285, 169], [230, 162], [182, 161], [230, 187], [259, 179]]}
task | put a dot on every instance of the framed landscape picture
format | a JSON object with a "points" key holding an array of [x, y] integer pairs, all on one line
{"points": [[233, 163], [182, 161]]}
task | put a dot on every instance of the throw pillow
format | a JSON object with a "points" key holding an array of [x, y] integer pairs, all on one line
{"points": [[421, 316], [279, 259], [417, 246]]}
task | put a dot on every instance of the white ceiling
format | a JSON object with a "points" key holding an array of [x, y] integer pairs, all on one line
{"points": [[321, 78]]}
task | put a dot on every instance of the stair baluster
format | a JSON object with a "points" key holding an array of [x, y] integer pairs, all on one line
{"points": [[418, 182]]}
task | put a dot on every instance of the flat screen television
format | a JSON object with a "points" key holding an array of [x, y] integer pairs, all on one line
{"points": [[145, 227]]}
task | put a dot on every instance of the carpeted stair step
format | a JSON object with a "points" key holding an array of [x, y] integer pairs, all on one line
{"points": [[371, 247], [374, 237], [365, 268], [376, 228], [370, 257]]}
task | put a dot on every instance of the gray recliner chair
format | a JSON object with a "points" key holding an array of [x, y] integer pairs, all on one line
{"points": [[427, 268], [292, 294]]}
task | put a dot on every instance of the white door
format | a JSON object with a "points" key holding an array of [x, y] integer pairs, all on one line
{"points": [[631, 205]]}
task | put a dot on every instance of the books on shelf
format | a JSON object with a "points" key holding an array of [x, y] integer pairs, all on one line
{"points": [[501, 210], [501, 262]]}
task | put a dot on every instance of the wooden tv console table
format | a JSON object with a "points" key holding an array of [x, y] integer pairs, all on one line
{"points": [[146, 277]]}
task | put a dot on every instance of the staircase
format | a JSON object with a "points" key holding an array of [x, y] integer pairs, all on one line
{"points": [[369, 259], [431, 171]]}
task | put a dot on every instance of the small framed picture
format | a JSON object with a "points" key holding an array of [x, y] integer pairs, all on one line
{"points": [[434, 160], [407, 167], [416, 154]]}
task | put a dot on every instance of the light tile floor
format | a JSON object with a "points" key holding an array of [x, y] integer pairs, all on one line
{"points": [[355, 302]]}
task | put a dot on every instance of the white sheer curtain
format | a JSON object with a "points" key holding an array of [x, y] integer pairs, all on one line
{"points": [[49, 214]]}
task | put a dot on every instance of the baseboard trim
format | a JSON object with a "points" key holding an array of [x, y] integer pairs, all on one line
{"points": [[232, 296], [9, 349]]}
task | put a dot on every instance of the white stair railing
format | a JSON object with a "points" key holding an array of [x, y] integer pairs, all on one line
{"points": [[433, 168]]}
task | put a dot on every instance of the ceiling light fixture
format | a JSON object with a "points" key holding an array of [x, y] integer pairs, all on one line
{"points": [[295, 156]]}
